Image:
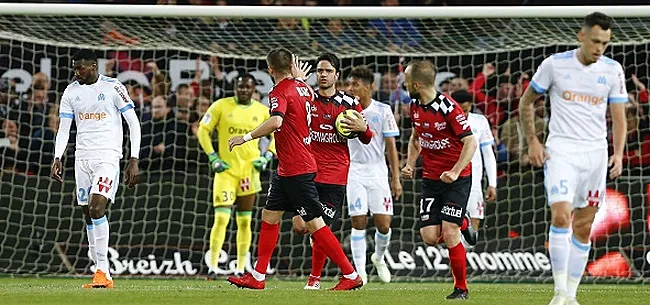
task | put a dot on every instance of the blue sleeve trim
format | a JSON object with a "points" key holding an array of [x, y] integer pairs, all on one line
{"points": [[487, 143], [66, 115], [391, 134], [617, 100], [127, 107], [555, 229], [537, 87]]}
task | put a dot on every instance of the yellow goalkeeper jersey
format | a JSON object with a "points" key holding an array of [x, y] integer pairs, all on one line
{"points": [[231, 119]]}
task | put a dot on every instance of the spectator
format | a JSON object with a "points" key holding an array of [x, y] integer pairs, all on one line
{"points": [[513, 137], [507, 94], [160, 82], [202, 105], [637, 147], [336, 36], [164, 138], [183, 103], [396, 33], [213, 86], [458, 83], [390, 92], [12, 147], [141, 97]]}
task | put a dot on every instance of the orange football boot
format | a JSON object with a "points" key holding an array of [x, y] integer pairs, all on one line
{"points": [[99, 281]]}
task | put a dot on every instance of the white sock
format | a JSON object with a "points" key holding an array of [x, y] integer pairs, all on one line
{"points": [[258, 276], [90, 232], [358, 246], [579, 254], [558, 246], [351, 276], [381, 243], [101, 244]]}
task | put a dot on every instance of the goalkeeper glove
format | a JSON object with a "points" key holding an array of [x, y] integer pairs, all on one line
{"points": [[261, 162], [217, 165]]}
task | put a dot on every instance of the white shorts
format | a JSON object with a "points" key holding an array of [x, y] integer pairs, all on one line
{"points": [[576, 177], [96, 177], [369, 194], [476, 203]]}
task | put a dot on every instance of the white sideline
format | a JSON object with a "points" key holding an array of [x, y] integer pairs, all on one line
{"points": [[62, 9]]}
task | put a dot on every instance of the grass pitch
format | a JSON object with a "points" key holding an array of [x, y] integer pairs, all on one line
{"points": [[193, 291]]}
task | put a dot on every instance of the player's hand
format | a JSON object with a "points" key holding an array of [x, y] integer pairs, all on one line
{"points": [[396, 187], [615, 166], [491, 193], [300, 69], [448, 176], [132, 173], [299, 226], [537, 153], [216, 164], [260, 163], [57, 170], [235, 141], [408, 171], [354, 124]]}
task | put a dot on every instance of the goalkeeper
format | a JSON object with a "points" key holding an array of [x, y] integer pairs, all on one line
{"points": [[237, 173]]}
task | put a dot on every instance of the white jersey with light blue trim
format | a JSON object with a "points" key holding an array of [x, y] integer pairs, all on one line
{"points": [[579, 97], [483, 135], [382, 123], [97, 109]]}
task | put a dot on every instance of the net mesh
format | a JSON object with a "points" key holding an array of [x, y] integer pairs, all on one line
{"points": [[162, 226]]}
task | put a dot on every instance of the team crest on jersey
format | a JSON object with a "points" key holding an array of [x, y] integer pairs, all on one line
{"points": [[425, 124], [416, 115], [77, 99], [101, 97], [254, 119], [327, 116], [602, 80]]}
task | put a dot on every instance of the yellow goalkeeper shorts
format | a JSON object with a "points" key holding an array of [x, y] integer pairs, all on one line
{"points": [[229, 185]]}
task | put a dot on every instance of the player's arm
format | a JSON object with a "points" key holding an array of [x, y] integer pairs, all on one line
{"points": [[617, 99], [66, 115], [390, 131], [208, 123], [541, 81], [412, 153], [366, 135], [278, 109], [126, 106], [489, 160], [266, 154], [459, 124]]}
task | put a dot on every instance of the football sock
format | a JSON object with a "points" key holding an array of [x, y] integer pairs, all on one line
{"points": [[332, 247], [218, 234], [381, 244], [558, 247], [578, 256], [318, 258], [90, 232], [358, 246], [458, 264], [266, 244], [244, 237], [100, 226]]}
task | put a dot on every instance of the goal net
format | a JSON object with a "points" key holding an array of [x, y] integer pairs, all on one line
{"points": [[162, 226]]}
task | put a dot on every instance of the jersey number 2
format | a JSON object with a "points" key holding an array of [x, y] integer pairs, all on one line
{"points": [[308, 107]]}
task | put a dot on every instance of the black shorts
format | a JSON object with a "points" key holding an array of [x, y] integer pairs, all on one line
{"points": [[296, 194], [331, 196], [444, 201]]}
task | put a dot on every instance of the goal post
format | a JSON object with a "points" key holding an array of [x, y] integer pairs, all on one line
{"points": [[162, 226]]}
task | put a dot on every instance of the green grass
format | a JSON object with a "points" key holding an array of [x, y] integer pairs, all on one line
{"points": [[191, 291]]}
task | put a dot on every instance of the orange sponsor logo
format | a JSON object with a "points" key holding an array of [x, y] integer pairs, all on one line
{"points": [[97, 116], [583, 98]]}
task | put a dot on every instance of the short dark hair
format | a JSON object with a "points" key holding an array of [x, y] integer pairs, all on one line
{"points": [[423, 71], [599, 19], [280, 60], [332, 58], [85, 54], [249, 76], [462, 96], [363, 73]]}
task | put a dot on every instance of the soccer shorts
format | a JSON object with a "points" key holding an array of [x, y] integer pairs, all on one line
{"points": [[369, 194], [576, 177], [229, 185], [295, 194], [476, 203], [96, 177], [331, 197], [444, 201]]}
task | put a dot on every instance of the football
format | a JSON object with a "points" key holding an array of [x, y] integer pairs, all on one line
{"points": [[342, 131]]}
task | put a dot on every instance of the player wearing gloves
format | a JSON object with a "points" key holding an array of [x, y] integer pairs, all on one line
{"points": [[237, 173]]}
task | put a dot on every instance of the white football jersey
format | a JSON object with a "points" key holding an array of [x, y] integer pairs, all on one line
{"points": [[97, 110], [483, 135], [579, 97], [382, 123]]}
